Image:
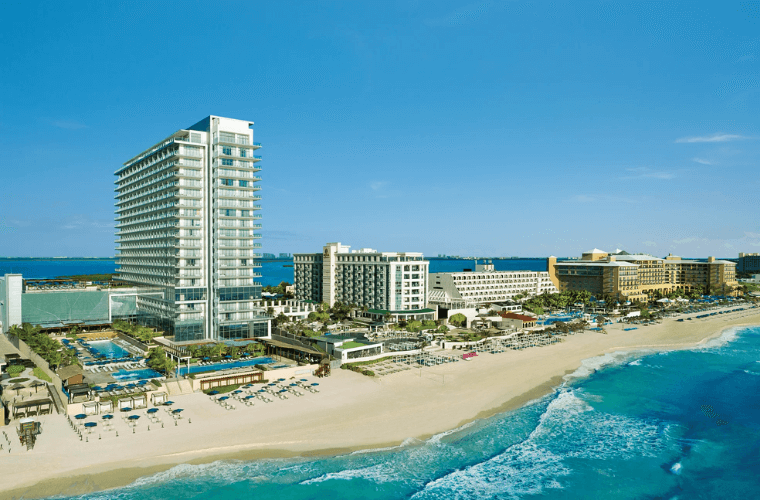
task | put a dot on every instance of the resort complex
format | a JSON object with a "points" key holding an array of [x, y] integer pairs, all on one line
{"points": [[485, 286], [186, 216], [638, 277]]}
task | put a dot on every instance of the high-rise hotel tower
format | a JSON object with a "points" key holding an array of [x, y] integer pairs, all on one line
{"points": [[186, 216]]}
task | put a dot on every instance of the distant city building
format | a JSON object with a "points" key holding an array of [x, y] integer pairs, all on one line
{"points": [[186, 215], [463, 290], [637, 277], [268, 256], [383, 282], [285, 256], [748, 262]]}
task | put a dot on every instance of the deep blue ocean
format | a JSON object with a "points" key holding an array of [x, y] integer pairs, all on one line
{"points": [[272, 272], [676, 425]]}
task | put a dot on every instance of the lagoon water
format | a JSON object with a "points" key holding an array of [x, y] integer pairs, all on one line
{"points": [[676, 425], [272, 272]]}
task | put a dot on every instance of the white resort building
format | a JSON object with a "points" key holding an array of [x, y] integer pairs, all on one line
{"points": [[385, 282], [465, 290], [186, 218]]}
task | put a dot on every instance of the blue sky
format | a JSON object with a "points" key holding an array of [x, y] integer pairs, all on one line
{"points": [[449, 127]]}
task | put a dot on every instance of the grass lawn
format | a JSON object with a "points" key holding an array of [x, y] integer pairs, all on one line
{"points": [[223, 389], [350, 345], [37, 372]]}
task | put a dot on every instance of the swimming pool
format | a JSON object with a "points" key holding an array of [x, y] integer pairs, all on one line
{"points": [[221, 366], [108, 349], [145, 373]]}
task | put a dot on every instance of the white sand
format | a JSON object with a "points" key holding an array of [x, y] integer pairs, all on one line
{"points": [[350, 412]]}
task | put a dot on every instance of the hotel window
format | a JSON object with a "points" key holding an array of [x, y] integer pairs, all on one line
{"points": [[227, 182], [243, 152], [228, 162], [245, 213], [227, 150], [243, 183], [230, 213]]}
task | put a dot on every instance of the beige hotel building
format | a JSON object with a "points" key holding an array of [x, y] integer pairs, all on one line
{"points": [[637, 277]]}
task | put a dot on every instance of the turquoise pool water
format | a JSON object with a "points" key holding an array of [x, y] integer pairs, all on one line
{"points": [[108, 349], [220, 366], [145, 373]]}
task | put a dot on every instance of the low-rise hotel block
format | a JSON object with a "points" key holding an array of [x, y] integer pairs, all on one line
{"points": [[624, 276], [485, 285]]}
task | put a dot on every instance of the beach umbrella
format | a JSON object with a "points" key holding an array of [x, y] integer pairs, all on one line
{"points": [[134, 417], [293, 385], [224, 398], [107, 417], [303, 380], [178, 410], [126, 408], [228, 357], [213, 393], [248, 397], [80, 416], [315, 383], [91, 424], [281, 379], [153, 410], [169, 403], [237, 392], [261, 390]]}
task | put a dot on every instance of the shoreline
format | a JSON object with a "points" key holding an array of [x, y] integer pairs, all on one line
{"points": [[569, 356]]}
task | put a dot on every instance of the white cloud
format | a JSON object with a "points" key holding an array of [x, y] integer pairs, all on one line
{"points": [[648, 173], [378, 185], [649, 243], [713, 138], [702, 161]]}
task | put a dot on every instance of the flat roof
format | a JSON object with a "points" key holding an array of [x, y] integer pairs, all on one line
{"points": [[596, 263], [413, 311]]}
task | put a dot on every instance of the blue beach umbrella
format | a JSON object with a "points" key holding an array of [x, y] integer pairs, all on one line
{"points": [[224, 398], [153, 410], [80, 416], [134, 417], [213, 393], [91, 424], [315, 383], [126, 408], [107, 417], [169, 403], [178, 410]]}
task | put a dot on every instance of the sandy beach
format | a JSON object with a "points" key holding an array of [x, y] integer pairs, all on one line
{"points": [[350, 412]]}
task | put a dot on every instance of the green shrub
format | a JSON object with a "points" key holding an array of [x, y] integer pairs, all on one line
{"points": [[18, 380], [37, 372], [368, 373], [15, 370], [156, 382]]}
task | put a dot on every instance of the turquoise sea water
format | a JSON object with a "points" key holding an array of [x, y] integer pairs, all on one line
{"points": [[677, 425], [272, 272]]}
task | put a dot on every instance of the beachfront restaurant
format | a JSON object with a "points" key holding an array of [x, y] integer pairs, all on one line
{"points": [[345, 347]]}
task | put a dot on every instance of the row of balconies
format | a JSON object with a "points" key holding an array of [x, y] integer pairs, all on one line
{"points": [[157, 159], [126, 211], [143, 194], [144, 220], [147, 175], [155, 180]]}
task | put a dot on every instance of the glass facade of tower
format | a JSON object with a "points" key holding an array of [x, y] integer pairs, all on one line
{"points": [[187, 213]]}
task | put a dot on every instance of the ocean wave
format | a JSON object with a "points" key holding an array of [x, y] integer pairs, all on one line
{"points": [[380, 473], [728, 335], [568, 428], [591, 365], [406, 442]]}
